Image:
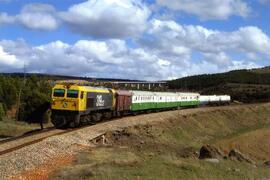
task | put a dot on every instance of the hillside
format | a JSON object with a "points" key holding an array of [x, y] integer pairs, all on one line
{"points": [[169, 149], [243, 85]]}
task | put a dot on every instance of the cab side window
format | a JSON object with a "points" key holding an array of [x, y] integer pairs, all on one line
{"points": [[82, 94]]}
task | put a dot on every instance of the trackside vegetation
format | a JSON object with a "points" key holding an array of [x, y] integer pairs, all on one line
{"points": [[33, 102], [2, 112]]}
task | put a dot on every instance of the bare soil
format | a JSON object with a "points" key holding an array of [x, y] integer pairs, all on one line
{"points": [[255, 144], [45, 169]]}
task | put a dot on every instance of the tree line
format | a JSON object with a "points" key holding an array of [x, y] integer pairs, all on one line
{"points": [[34, 98], [242, 85]]}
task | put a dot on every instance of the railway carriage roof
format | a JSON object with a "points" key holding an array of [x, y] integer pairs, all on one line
{"points": [[147, 93], [142, 93], [188, 94], [166, 94]]}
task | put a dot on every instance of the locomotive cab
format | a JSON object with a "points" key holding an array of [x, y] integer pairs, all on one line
{"points": [[73, 104], [67, 98], [67, 102]]}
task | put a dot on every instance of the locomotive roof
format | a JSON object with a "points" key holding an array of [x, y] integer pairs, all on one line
{"points": [[82, 88]]}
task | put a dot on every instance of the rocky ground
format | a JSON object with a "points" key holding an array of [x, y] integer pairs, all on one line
{"points": [[164, 141]]}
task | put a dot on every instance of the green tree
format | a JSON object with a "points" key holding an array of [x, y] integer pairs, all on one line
{"points": [[2, 112]]}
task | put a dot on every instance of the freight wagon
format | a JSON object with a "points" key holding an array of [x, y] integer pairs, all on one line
{"points": [[74, 105]]}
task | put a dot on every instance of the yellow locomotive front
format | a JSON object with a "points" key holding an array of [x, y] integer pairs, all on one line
{"points": [[73, 104], [67, 103], [67, 98]]}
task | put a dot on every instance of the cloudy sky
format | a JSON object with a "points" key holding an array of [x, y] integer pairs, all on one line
{"points": [[135, 39]]}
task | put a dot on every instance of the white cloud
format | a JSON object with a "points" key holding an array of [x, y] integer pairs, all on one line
{"points": [[38, 16], [195, 49], [6, 19], [220, 59], [245, 40], [209, 9], [107, 18], [101, 19], [113, 59], [206, 67], [8, 60]]}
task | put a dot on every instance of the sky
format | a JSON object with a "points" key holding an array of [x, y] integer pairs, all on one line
{"points": [[133, 39]]}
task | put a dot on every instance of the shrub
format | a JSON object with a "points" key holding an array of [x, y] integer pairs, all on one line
{"points": [[2, 112]]}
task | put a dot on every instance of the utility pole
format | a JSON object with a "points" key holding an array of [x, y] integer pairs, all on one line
{"points": [[20, 92]]}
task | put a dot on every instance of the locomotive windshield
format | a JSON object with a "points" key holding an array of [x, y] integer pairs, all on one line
{"points": [[72, 94], [59, 93]]}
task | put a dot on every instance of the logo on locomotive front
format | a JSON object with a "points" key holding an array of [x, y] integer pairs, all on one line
{"points": [[100, 101], [65, 104]]}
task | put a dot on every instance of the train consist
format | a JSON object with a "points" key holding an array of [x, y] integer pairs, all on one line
{"points": [[74, 105]]}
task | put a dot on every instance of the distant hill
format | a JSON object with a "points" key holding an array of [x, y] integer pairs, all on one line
{"points": [[243, 85], [63, 77]]}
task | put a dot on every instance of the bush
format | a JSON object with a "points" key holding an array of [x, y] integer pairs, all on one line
{"points": [[2, 112], [35, 96]]}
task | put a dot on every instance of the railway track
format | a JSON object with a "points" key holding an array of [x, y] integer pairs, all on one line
{"points": [[16, 143], [31, 133], [13, 144]]}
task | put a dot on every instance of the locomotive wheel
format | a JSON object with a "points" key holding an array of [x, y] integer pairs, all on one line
{"points": [[88, 119], [72, 124], [84, 120], [108, 115], [59, 122], [96, 117], [75, 122]]}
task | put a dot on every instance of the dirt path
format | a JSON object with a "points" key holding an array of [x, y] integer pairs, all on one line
{"points": [[21, 163]]}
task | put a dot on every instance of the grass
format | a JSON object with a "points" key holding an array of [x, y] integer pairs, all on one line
{"points": [[168, 150], [9, 127]]}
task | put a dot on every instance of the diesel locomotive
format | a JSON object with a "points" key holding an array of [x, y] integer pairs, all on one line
{"points": [[74, 105]]}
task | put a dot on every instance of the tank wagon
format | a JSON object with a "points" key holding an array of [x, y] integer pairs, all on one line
{"points": [[74, 105], [214, 99]]}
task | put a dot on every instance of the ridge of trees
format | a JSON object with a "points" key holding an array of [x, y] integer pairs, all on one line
{"points": [[34, 94], [242, 85]]}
